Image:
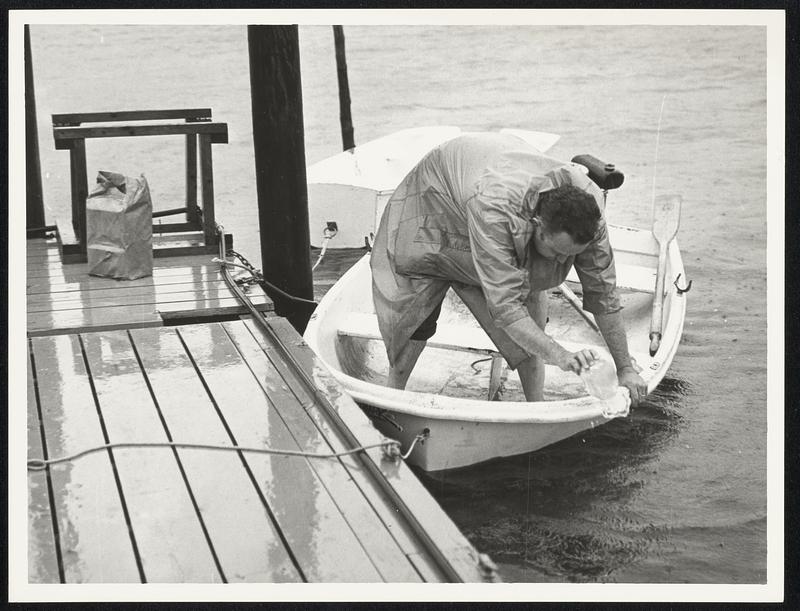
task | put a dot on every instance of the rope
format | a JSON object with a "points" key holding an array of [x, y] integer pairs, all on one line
{"points": [[420, 437], [391, 449], [473, 363], [326, 238]]}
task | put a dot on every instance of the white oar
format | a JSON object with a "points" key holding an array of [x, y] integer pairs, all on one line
{"points": [[666, 218]]}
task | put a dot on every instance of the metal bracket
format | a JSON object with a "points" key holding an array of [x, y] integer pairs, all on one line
{"points": [[680, 290], [382, 414]]}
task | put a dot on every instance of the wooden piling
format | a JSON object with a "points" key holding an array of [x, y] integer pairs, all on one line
{"points": [[34, 202], [348, 140], [280, 166]]}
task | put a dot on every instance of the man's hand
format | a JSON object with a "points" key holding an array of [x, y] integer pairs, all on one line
{"points": [[629, 378], [576, 361]]}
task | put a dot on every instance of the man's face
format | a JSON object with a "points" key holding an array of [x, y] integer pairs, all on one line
{"points": [[559, 246]]}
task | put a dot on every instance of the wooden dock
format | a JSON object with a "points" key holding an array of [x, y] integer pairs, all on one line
{"points": [[172, 358], [65, 299]]}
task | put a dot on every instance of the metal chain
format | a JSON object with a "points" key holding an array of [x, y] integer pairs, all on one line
{"points": [[257, 275]]}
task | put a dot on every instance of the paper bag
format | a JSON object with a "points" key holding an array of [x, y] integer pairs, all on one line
{"points": [[119, 227]]}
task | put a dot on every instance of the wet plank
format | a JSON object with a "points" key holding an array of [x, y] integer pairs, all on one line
{"points": [[309, 496], [65, 299], [161, 276], [93, 535], [124, 298], [133, 294], [239, 525], [394, 535], [169, 534], [94, 319], [42, 557], [427, 512], [44, 261], [135, 315], [54, 272], [212, 307]]}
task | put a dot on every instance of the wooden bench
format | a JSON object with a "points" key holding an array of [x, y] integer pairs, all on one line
{"points": [[448, 337], [70, 133]]}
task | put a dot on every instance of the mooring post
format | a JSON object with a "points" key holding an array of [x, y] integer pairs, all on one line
{"points": [[345, 119], [34, 203], [281, 167]]}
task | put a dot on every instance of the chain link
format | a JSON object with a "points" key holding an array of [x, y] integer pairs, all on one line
{"points": [[255, 274]]}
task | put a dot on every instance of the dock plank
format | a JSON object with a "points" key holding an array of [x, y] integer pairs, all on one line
{"points": [[124, 298], [54, 272], [93, 535], [93, 319], [308, 495], [169, 535], [387, 511], [426, 510], [123, 316], [395, 533], [212, 307], [134, 294], [177, 275], [42, 557], [246, 541]]}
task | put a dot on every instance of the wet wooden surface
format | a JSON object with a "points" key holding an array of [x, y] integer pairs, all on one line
{"points": [[93, 540], [197, 515], [66, 299], [426, 511], [42, 556], [103, 368]]}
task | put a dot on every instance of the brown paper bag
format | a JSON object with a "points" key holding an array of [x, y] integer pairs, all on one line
{"points": [[119, 227]]}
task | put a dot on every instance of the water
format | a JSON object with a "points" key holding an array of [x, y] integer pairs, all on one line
{"points": [[677, 491]]}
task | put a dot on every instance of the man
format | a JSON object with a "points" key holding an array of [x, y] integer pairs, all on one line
{"points": [[499, 222]]}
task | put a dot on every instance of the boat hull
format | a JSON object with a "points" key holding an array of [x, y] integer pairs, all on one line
{"points": [[445, 417], [445, 399], [450, 443]]}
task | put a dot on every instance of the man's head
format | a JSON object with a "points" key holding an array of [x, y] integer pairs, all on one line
{"points": [[567, 219]]}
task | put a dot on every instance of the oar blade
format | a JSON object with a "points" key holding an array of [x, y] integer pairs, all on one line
{"points": [[666, 217]]}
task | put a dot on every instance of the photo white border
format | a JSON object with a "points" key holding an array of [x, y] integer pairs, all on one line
{"points": [[772, 591]]}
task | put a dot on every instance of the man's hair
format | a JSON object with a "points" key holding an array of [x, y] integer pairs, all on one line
{"points": [[570, 209]]}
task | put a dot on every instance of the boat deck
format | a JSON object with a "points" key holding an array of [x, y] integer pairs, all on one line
{"points": [[176, 514]]}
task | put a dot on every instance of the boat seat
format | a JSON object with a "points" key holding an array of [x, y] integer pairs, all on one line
{"points": [[450, 337], [467, 338]]}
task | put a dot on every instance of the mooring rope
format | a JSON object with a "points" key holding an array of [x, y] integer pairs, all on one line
{"points": [[327, 235], [390, 447]]}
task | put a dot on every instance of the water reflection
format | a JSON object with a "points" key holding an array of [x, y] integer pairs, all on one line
{"points": [[93, 537], [565, 512]]}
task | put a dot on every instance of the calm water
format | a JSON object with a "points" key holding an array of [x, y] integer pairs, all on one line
{"points": [[676, 492]]}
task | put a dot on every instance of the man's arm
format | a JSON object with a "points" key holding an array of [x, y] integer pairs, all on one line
{"points": [[612, 327]]}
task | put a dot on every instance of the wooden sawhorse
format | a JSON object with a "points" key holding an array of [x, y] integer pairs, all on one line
{"points": [[70, 133]]}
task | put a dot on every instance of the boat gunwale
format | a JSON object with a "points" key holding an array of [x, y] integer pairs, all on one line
{"points": [[442, 407]]}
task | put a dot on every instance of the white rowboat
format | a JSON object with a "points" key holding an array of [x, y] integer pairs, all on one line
{"points": [[445, 412]]}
